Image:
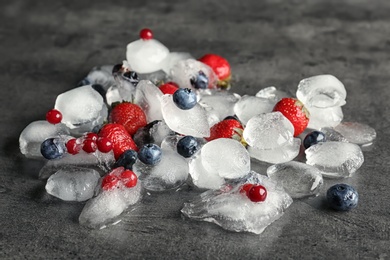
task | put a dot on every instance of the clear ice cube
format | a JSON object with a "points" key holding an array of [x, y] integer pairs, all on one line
{"points": [[357, 133], [101, 75], [282, 154], [233, 210], [333, 135], [73, 184], [324, 117], [148, 97], [250, 106], [220, 103], [35, 133], [335, 159], [173, 58], [298, 179], [186, 122], [272, 93], [268, 131], [321, 91]]}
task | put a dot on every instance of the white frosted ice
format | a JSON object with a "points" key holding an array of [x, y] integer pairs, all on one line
{"points": [[272, 93], [226, 157], [335, 159], [148, 97], [170, 173], [324, 117], [173, 58], [333, 135], [321, 91], [101, 75], [73, 184], [186, 122], [357, 133], [298, 179], [233, 211], [35, 133], [282, 154], [219, 103], [250, 106], [268, 131], [146, 56]]}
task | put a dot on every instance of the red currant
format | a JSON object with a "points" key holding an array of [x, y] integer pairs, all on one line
{"points": [[72, 146], [129, 178], [146, 34], [53, 116], [89, 146], [104, 144], [109, 182], [91, 136], [257, 193], [245, 188]]}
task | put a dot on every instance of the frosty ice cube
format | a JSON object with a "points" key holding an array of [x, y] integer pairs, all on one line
{"points": [[298, 179], [220, 103], [321, 91], [173, 58], [35, 133], [148, 97], [272, 93], [233, 210], [281, 154], [101, 75], [324, 117], [356, 133], [250, 106], [335, 159], [73, 184]]}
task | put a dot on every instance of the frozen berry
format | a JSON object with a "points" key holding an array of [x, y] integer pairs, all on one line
{"points": [[200, 81], [257, 193], [184, 98], [129, 178], [72, 146], [52, 148], [342, 197], [127, 159], [150, 154], [109, 182], [53, 116], [313, 138], [89, 146], [146, 34], [187, 146], [104, 145]]}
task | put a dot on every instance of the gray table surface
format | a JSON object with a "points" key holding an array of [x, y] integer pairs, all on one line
{"points": [[48, 46]]}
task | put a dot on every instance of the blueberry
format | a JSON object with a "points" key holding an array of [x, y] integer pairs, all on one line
{"points": [[313, 138], [200, 81], [184, 98], [126, 160], [150, 154], [143, 135], [52, 148], [187, 146], [342, 197], [131, 76]]}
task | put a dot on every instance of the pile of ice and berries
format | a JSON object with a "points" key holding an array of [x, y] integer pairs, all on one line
{"points": [[163, 119]]}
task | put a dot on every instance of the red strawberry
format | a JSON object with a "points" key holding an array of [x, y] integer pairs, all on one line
{"points": [[130, 115], [169, 87], [220, 66], [229, 128], [294, 111], [120, 138]]}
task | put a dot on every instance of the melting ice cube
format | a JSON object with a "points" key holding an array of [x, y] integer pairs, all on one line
{"points": [[101, 75], [282, 154], [250, 106], [173, 58], [148, 97], [324, 117], [357, 133], [272, 93], [220, 103]]}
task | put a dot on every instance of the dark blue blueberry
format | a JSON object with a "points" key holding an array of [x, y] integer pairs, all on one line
{"points": [[100, 89], [313, 138], [126, 160], [83, 82], [150, 154], [200, 81], [342, 197], [184, 98], [52, 148], [187, 146], [132, 77]]}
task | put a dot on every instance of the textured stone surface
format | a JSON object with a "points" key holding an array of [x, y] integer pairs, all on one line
{"points": [[48, 46]]}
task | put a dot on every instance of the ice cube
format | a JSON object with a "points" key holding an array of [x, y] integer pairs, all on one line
{"points": [[268, 131], [35, 133], [82, 109], [73, 184], [148, 97], [324, 117], [272, 93], [170, 173], [250, 106], [107, 206], [186, 122], [333, 135], [146, 56], [219, 103], [173, 58], [113, 95], [226, 157], [298, 179], [321, 91], [101, 75], [233, 211], [335, 159], [282, 154], [155, 132], [156, 77], [357, 133], [186, 70]]}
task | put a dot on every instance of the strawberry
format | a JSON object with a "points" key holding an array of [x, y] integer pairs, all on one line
{"points": [[130, 115], [169, 87], [295, 112], [120, 138], [220, 66], [228, 128]]}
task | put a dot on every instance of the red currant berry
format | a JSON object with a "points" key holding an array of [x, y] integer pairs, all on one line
{"points": [[104, 144], [109, 182], [72, 146], [257, 193], [146, 34], [89, 146], [129, 178], [245, 188], [91, 136], [53, 116]]}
